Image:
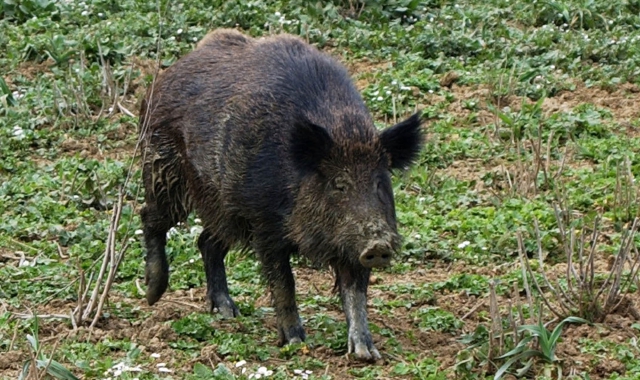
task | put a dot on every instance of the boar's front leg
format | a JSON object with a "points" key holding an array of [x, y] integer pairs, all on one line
{"points": [[213, 253], [277, 271], [353, 283]]}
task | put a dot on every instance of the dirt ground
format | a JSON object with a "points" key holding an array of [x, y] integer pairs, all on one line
{"points": [[153, 334]]}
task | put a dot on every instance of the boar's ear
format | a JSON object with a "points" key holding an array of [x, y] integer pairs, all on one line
{"points": [[310, 144], [403, 141]]}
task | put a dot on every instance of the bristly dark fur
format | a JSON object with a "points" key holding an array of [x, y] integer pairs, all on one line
{"points": [[269, 141], [310, 144]]}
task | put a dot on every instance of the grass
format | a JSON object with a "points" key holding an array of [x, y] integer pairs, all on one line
{"points": [[530, 103]]}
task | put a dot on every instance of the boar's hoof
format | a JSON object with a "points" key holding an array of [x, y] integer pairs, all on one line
{"points": [[157, 279], [364, 353], [227, 311], [292, 335], [376, 255]]}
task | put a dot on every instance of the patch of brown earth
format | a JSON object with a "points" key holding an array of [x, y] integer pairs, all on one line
{"points": [[11, 361], [30, 69], [623, 102]]}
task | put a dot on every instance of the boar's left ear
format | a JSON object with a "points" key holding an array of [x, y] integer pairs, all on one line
{"points": [[310, 144], [403, 141]]}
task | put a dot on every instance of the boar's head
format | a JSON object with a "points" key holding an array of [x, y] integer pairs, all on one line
{"points": [[344, 208]]}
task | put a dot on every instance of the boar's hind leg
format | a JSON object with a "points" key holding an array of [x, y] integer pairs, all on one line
{"points": [[213, 253], [353, 283], [156, 224], [165, 206], [277, 271]]}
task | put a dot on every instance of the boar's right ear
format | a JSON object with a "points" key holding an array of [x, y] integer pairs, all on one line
{"points": [[310, 144], [403, 141]]}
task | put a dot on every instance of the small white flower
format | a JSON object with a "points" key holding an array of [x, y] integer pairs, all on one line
{"points": [[172, 38], [380, 98], [417, 236], [120, 365], [278, 14], [18, 132], [388, 92], [297, 371], [431, 91], [140, 232], [195, 39], [241, 363], [179, 31], [100, 14], [464, 244], [84, 13], [262, 370], [199, 221], [191, 261]]}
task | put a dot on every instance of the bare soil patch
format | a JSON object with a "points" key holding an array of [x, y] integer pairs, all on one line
{"points": [[623, 102]]}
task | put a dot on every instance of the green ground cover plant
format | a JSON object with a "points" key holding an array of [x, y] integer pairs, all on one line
{"points": [[533, 136]]}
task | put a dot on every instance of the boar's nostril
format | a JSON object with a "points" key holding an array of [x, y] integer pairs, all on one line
{"points": [[377, 256]]}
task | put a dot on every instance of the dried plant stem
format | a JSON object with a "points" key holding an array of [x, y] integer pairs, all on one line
{"points": [[526, 269]]}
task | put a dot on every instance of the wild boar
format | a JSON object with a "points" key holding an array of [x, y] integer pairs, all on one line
{"points": [[270, 143]]}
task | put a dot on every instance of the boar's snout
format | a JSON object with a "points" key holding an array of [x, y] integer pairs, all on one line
{"points": [[377, 254]]}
